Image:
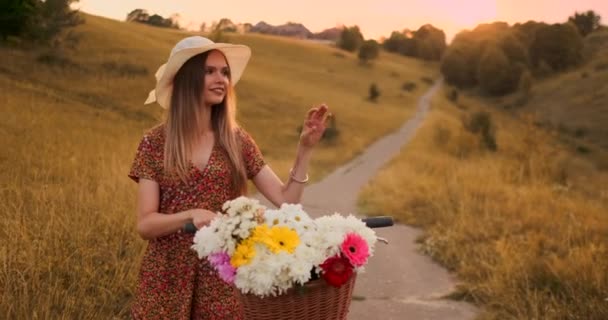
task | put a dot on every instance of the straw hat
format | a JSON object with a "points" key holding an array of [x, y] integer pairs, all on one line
{"points": [[236, 55]]}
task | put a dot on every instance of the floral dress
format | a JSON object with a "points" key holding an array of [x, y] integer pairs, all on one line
{"points": [[173, 282]]}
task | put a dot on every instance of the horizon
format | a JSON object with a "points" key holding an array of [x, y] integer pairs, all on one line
{"points": [[376, 19]]}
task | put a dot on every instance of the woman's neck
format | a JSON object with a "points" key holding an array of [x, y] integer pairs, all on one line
{"points": [[205, 127]]}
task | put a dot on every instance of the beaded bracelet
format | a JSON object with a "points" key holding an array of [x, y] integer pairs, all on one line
{"points": [[293, 178]]}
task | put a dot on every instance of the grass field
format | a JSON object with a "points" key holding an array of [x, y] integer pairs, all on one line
{"points": [[71, 122], [525, 228]]}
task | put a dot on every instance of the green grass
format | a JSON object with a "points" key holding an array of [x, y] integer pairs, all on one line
{"points": [[72, 121]]}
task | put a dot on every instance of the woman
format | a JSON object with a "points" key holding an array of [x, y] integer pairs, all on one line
{"points": [[188, 166]]}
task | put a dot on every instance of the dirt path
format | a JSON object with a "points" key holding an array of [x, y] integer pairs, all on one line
{"points": [[399, 282]]}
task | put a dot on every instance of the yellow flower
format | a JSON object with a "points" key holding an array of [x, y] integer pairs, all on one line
{"points": [[243, 254], [262, 234], [284, 238]]}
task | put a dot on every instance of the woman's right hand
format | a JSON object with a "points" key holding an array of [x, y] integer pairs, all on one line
{"points": [[201, 217]]}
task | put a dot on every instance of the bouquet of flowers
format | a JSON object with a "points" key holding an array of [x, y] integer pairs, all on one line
{"points": [[265, 252]]}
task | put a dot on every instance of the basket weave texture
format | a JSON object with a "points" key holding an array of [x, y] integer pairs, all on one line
{"points": [[316, 300]]}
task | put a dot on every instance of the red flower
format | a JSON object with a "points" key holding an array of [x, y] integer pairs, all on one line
{"points": [[336, 270]]}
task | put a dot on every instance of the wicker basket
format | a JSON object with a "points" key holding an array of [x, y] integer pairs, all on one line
{"points": [[314, 301]]}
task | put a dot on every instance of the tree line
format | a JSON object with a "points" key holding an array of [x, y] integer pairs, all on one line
{"points": [[142, 16], [500, 59], [426, 43]]}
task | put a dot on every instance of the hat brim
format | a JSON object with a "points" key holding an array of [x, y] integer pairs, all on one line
{"points": [[237, 57]]}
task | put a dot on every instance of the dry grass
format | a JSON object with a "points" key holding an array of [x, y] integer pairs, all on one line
{"points": [[72, 121], [525, 228], [68, 246]]}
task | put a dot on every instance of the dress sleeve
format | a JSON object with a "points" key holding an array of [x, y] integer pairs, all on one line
{"points": [[146, 162], [254, 161]]}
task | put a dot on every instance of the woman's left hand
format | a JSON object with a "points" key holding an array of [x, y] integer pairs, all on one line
{"points": [[314, 126]]}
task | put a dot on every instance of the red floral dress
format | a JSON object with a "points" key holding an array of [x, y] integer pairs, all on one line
{"points": [[173, 282]]}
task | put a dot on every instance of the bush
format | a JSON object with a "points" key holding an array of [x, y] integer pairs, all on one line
{"points": [[339, 54], [480, 123], [374, 92], [441, 136], [56, 58], [453, 95], [408, 86], [600, 66], [427, 80], [369, 50], [331, 132]]}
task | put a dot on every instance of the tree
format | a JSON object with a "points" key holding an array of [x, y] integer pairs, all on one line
{"points": [[393, 43], [585, 22], [50, 18], [513, 48], [369, 50], [430, 42], [350, 39], [226, 25], [558, 45], [494, 72], [138, 15], [15, 16], [156, 20], [402, 43], [459, 63]]}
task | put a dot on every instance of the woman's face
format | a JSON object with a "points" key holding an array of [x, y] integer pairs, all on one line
{"points": [[217, 78]]}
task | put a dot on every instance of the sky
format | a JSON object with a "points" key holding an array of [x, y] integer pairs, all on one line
{"points": [[375, 18]]}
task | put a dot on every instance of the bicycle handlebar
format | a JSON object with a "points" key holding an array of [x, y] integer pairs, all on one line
{"points": [[371, 222]]}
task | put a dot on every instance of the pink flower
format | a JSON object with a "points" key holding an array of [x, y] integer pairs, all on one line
{"points": [[227, 272], [355, 249], [221, 263], [218, 258]]}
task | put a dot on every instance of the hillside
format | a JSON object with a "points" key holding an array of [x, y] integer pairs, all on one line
{"points": [[514, 205], [71, 121], [576, 102]]}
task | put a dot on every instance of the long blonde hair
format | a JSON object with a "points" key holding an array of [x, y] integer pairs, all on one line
{"points": [[182, 127]]}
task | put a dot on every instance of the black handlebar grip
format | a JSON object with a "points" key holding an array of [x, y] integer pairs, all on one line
{"points": [[190, 228], [378, 222], [372, 222]]}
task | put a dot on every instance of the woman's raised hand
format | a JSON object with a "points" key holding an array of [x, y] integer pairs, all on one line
{"points": [[314, 126]]}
